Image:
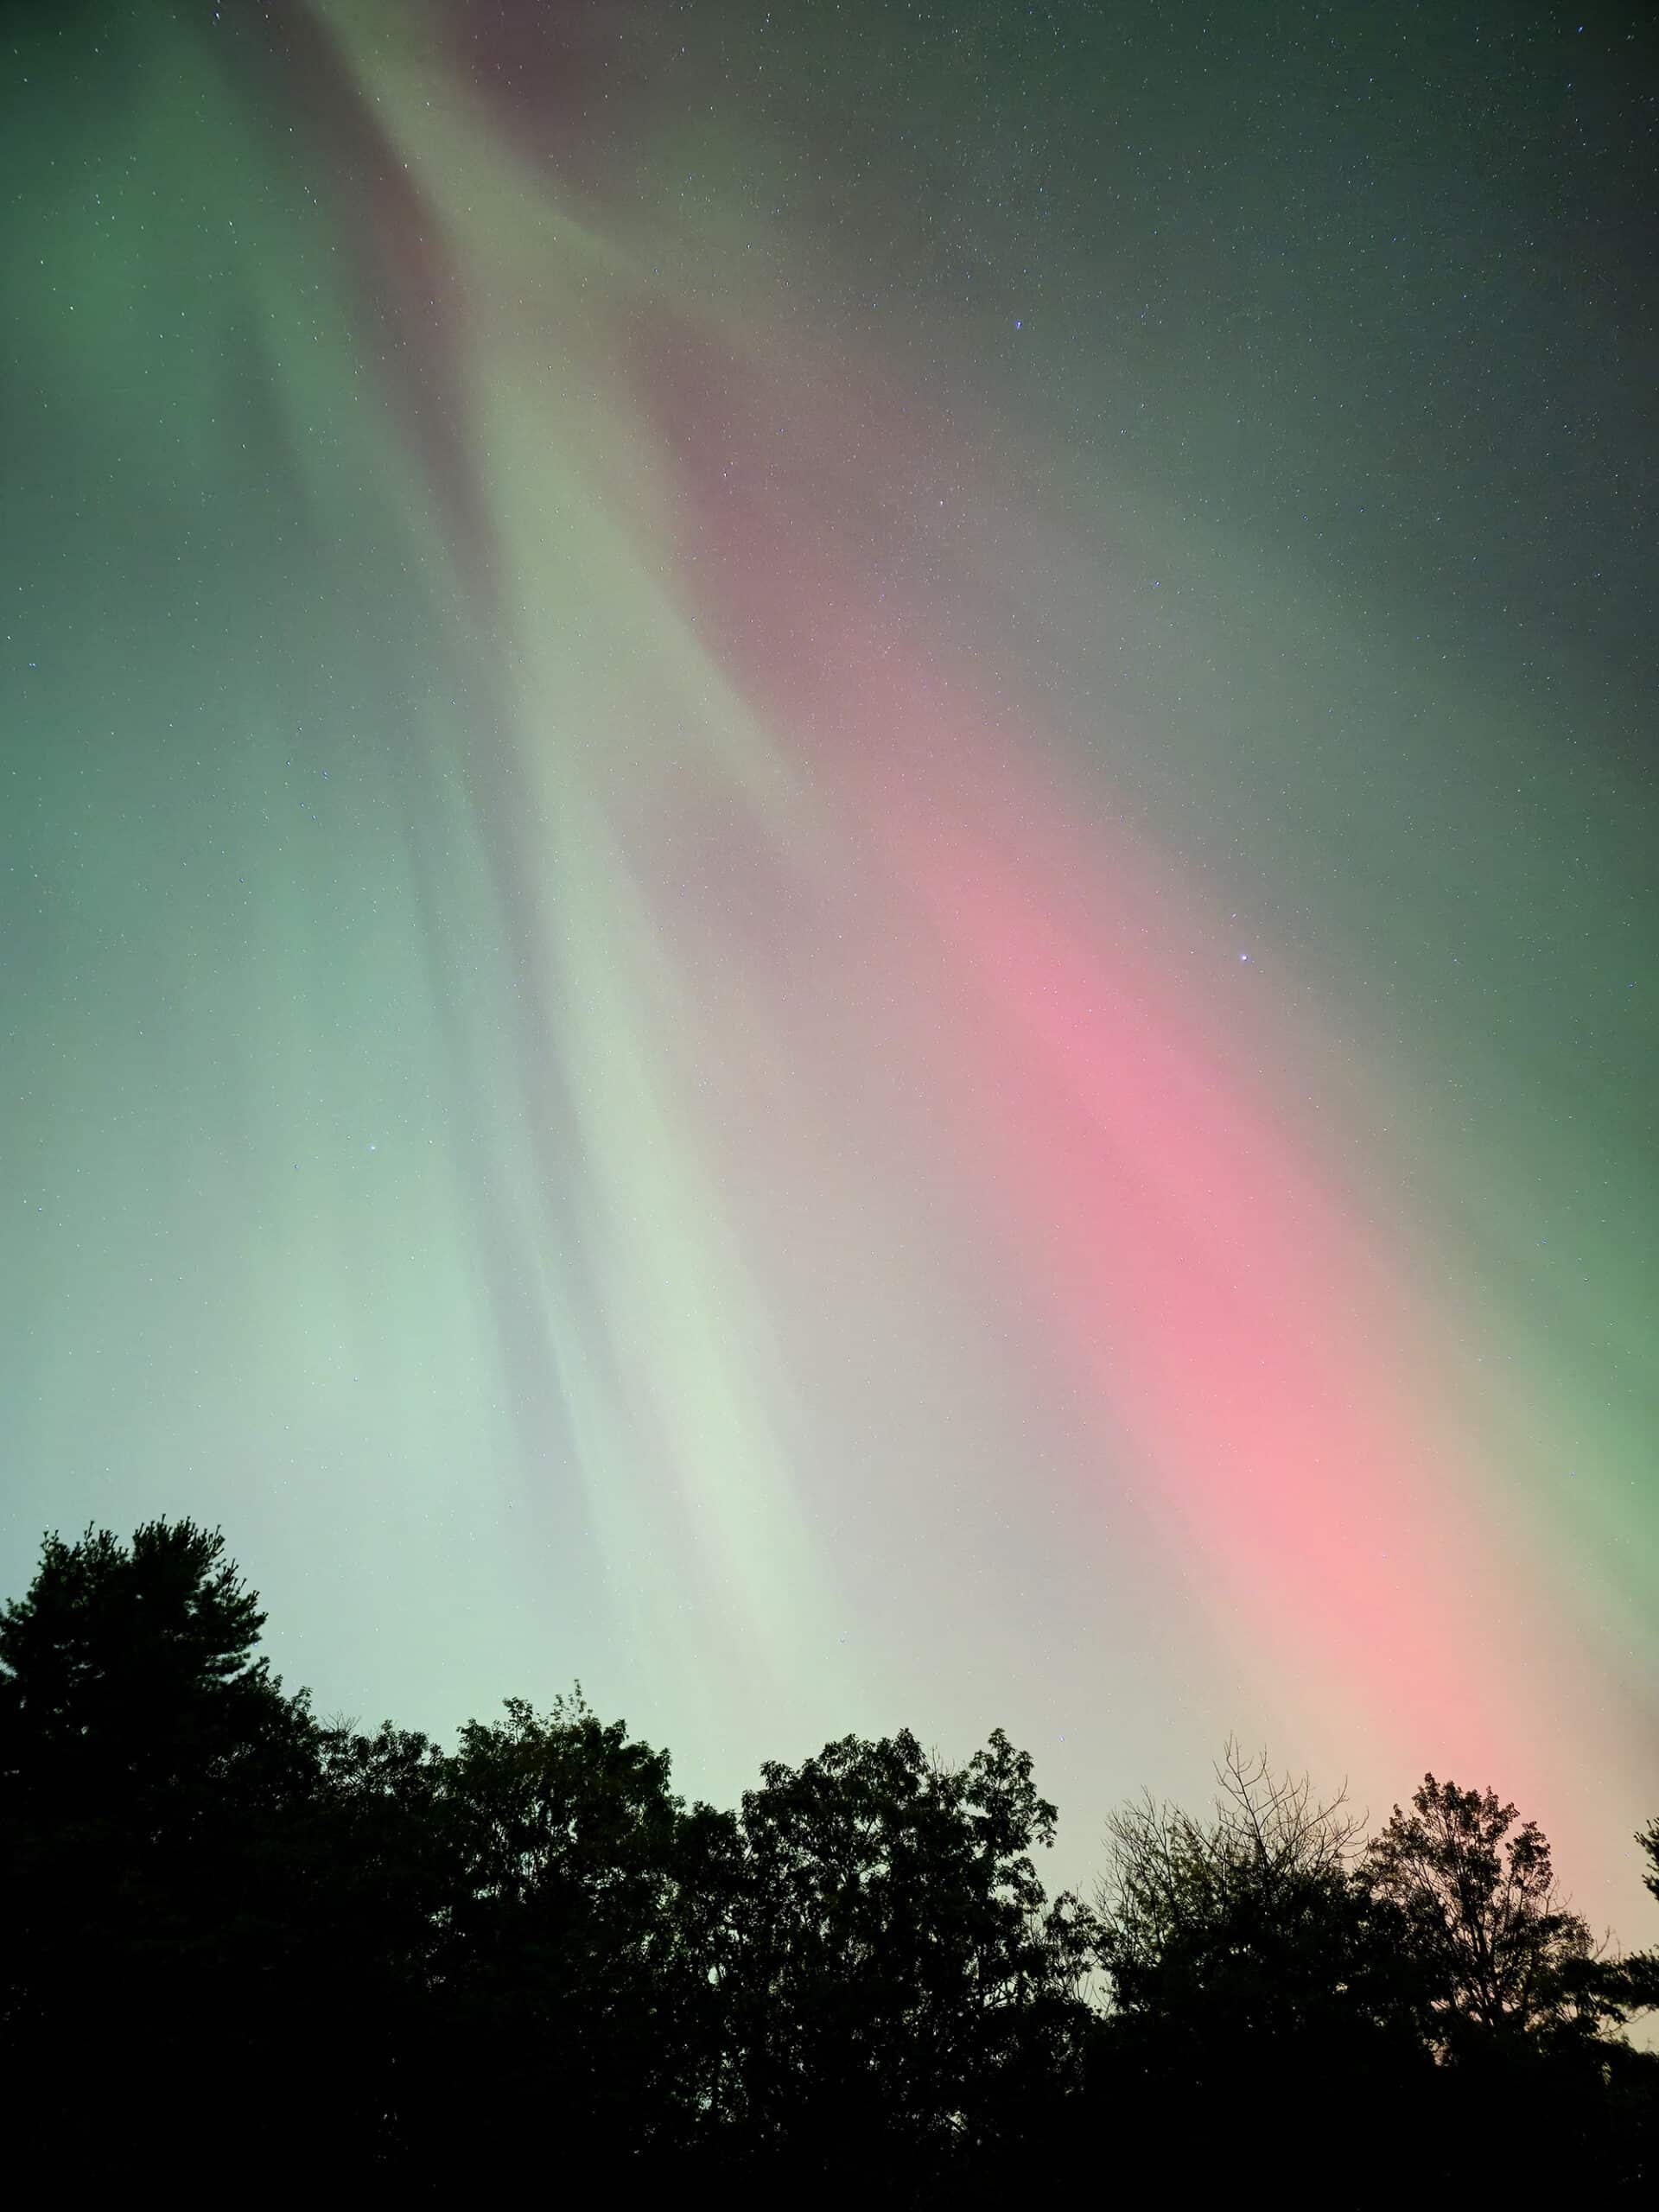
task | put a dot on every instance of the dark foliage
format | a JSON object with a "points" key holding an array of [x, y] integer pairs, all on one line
{"points": [[243, 1949], [1503, 1956], [898, 1997], [150, 1768], [1252, 1972]]}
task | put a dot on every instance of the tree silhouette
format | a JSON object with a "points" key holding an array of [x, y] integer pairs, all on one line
{"points": [[1252, 1973], [568, 1979], [1485, 1919], [147, 1760], [901, 1996], [127, 1677], [1523, 2005], [1642, 1970], [240, 1947], [1171, 1876]]}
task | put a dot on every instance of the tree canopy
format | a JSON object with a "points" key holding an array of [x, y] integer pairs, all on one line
{"points": [[240, 1940], [1503, 1952]]}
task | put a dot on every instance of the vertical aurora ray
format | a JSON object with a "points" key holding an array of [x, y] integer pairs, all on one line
{"points": [[710, 1003]]}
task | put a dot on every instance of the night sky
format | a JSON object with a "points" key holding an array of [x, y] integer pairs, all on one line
{"points": [[827, 868]]}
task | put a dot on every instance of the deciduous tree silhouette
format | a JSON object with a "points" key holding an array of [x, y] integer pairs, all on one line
{"points": [[901, 1996], [1504, 1952], [1537, 2091], [1255, 1982], [1272, 1977], [570, 1979]]}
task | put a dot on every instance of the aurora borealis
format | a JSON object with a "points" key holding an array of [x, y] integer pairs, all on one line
{"points": [[826, 869]]}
